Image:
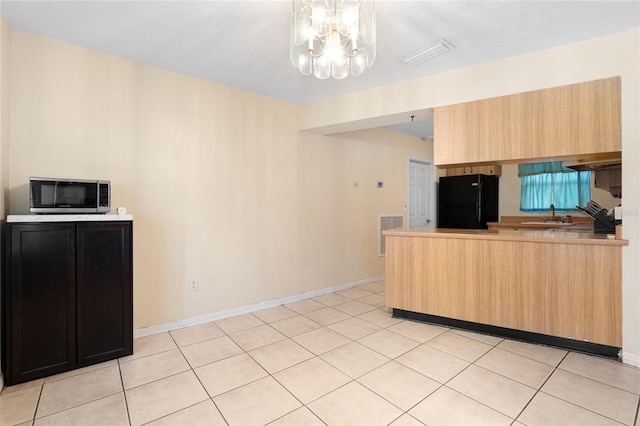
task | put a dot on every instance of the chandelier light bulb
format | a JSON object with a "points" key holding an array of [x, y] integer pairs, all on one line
{"points": [[333, 50], [348, 18], [319, 15], [333, 38]]}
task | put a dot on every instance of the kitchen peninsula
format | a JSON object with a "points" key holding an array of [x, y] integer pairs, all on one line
{"points": [[554, 286]]}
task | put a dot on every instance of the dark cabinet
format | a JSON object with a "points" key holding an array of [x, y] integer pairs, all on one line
{"points": [[67, 296], [39, 301], [104, 308]]}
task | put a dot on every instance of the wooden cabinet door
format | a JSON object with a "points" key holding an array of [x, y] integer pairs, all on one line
{"points": [[559, 122], [493, 170], [39, 301], [104, 282]]}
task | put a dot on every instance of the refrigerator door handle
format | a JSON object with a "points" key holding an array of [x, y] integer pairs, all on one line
{"points": [[479, 201]]}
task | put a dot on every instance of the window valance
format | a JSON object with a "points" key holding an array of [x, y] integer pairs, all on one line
{"points": [[532, 169]]}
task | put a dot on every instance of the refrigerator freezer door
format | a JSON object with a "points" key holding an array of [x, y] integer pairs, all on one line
{"points": [[459, 191]]}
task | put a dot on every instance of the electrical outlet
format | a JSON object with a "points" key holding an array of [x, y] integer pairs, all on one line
{"points": [[193, 285]]}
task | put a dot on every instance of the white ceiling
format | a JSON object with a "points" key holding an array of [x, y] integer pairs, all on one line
{"points": [[245, 44]]}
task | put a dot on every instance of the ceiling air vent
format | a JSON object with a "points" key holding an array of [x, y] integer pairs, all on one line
{"points": [[387, 222], [428, 52]]}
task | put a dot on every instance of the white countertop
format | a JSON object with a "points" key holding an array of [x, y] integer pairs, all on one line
{"points": [[17, 218]]}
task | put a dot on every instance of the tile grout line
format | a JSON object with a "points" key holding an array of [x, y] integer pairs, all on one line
{"points": [[538, 390], [443, 385], [35, 411], [613, 385], [192, 367], [318, 356], [352, 380], [298, 314], [69, 378], [124, 394], [268, 374], [193, 371], [296, 398], [244, 351], [474, 363], [556, 368]]}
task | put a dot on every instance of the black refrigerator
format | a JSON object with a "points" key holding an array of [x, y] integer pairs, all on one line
{"points": [[468, 201]]}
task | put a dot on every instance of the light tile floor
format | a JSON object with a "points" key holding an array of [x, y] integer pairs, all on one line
{"points": [[337, 359]]}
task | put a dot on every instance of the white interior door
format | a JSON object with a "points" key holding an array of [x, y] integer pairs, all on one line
{"points": [[421, 195]]}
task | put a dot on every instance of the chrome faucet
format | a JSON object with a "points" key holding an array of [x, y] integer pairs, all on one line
{"points": [[553, 212]]}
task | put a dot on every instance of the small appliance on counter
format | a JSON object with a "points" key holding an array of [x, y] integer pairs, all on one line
{"points": [[69, 196], [604, 222]]}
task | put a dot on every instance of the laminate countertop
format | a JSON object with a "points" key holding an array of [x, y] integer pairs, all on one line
{"points": [[39, 218], [537, 226], [553, 236]]}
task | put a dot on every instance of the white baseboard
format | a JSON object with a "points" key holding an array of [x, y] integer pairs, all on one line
{"points": [[631, 359], [161, 328]]}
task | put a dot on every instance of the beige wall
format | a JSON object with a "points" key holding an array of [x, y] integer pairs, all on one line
{"points": [[5, 93], [616, 55], [222, 186], [5, 97]]}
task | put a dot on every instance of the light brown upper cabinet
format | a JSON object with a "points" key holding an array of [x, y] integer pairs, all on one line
{"points": [[494, 169], [560, 123]]}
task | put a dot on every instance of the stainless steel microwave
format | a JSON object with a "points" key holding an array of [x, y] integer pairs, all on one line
{"points": [[49, 195]]}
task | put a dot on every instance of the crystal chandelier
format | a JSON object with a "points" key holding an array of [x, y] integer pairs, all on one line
{"points": [[333, 37]]}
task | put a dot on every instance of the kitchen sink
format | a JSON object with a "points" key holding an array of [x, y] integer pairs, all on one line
{"points": [[547, 223]]}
